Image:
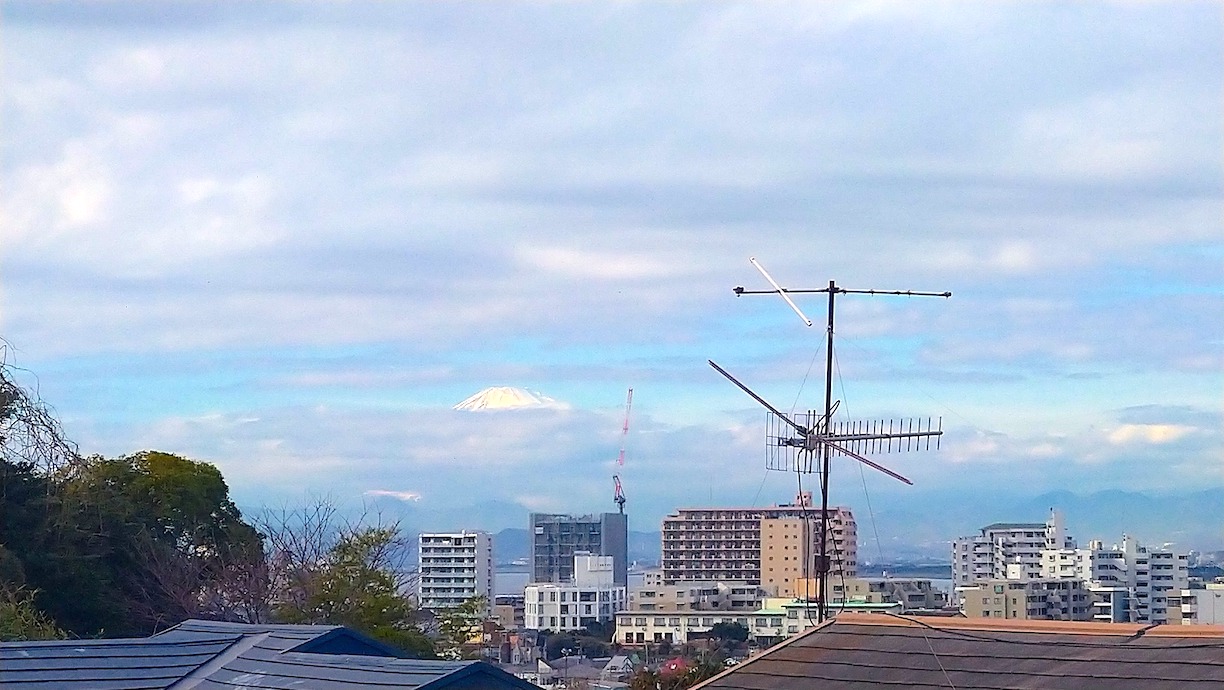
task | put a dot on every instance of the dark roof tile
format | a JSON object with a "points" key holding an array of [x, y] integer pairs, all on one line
{"points": [[874, 651]]}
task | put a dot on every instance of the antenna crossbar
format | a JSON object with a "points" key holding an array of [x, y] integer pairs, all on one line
{"points": [[841, 291]]}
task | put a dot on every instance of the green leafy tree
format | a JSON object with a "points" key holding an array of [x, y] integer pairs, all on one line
{"points": [[21, 619], [729, 631], [164, 537], [458, 625], [325, 573]]}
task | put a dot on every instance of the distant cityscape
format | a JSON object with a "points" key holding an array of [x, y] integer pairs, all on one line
{"points": [[754, 568]]}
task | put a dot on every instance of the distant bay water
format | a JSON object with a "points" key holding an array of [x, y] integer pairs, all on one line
{"points": [[512, 579]]}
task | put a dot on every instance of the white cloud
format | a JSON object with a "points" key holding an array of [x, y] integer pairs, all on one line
{"points": [[410, 496], [278, 222], [1152, 434]]}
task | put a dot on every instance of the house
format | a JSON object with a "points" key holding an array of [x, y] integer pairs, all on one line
{"points": [[206, 655], [620, 667], [863, 651], [562, 671]]}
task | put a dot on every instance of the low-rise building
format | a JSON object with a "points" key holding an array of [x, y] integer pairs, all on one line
{"points": [[1197, 605], [911, 594], [1041, 599], [591, 597], [655, 595], [777, 619]]}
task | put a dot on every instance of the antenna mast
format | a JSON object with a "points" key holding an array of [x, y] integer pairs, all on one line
{"points": [[819, 432]]}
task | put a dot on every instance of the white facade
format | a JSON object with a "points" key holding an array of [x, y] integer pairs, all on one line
{"points": [[454, 567], [779, 619], [1007, 550], [592, 597], [1133, 581]]}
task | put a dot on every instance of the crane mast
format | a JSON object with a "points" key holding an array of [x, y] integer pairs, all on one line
{"points": [[619, 494]]}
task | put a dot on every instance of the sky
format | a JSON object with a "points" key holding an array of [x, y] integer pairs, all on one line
{"points": [[286, 238]]}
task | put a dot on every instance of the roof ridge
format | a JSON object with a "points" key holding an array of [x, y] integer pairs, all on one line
{"points": [[233, 651]]}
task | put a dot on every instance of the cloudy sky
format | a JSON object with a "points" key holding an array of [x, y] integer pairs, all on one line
{"points": [[287, 237]]}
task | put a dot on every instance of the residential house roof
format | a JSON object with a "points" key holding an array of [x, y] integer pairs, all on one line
{"points": [[863, 651], [202, 655]]}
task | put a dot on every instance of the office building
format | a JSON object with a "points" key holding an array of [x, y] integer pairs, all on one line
{"points": [[454, 567], [557, 538]]}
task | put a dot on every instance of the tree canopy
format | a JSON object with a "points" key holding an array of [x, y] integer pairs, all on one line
{"points": [[126, 546]]}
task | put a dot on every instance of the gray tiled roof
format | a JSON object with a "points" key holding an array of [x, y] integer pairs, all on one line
{"points": [[875, 651], [222, 656]]}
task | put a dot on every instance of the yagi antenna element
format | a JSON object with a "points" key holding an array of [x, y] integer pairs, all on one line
{"points": [[781, 291]]}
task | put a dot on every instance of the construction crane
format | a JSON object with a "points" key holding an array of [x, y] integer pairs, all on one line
{"points": [[619, 493], [620, 459]]}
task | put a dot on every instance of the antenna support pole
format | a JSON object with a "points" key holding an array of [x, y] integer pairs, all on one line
{"points": [[823, 567]]}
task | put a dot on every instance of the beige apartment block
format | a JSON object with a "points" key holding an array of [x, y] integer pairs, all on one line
{"points": [[766, 546], [1037, 599]]}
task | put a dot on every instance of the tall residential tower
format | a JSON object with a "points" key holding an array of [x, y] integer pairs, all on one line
{"points": [[454, 567]]}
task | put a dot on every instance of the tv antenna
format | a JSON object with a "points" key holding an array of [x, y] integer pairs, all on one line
{"points": [[793, 440]]}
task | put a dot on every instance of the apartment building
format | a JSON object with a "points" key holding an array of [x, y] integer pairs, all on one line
{"points": [[592, 596], [1135, 581], [453, 567], [777, 619], [911, 594], [1007, 550], [1201, 605], [1028, 599], [771, 547], [556, 538], [696, 596]]}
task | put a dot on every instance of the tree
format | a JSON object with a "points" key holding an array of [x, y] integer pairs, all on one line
{"points": [[21, 619], [729, 631], [457, 626], [121, 546], [323, 570], [166, 537]]}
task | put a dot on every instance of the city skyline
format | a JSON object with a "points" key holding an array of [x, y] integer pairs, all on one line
{"points": [[287, 238]]}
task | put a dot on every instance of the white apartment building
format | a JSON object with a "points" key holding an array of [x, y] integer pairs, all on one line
{"points": [[454, 567], [591, 597], [1132, 582], [1007, 550], [778, 619]]}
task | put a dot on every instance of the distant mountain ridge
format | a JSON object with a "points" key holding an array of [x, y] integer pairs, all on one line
{"points": [[914, 525]]}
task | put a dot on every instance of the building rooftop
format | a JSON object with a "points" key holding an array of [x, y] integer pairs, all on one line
{"points": [[863, 651], [204, 655], [1034, 526]]}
